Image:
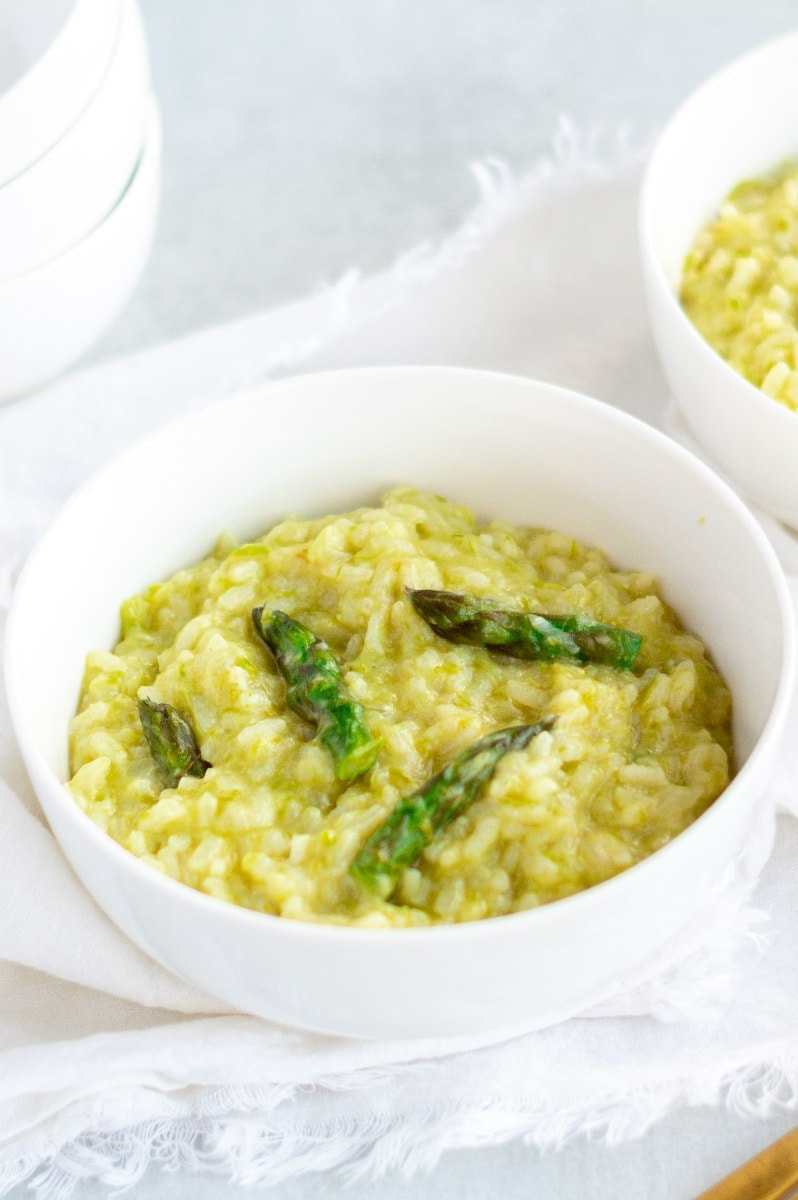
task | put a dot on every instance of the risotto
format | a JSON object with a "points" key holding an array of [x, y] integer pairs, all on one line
{"points": [[740, 283], [622, 759]]}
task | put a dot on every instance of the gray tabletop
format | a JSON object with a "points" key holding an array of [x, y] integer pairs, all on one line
{"points": [[302, 139]]}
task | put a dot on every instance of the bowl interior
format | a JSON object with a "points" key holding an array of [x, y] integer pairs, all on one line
{"points": [[524, 452], [26, 31], [741, 123]]}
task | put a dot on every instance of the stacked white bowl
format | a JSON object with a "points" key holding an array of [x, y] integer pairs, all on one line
{"points": [[79, 178]]}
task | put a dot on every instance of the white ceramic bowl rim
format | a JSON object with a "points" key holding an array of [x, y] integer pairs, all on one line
{"points": [[102, 268], [88, 167], [307, 929], [151, 146], [38, 107]]}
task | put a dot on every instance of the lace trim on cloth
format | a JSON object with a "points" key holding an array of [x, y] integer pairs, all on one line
{"points": [[260, 1136]]}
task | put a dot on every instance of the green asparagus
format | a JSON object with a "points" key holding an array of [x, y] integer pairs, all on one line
{"points": [[481, 622], [172, 742], [317, 692], [417, 818]]}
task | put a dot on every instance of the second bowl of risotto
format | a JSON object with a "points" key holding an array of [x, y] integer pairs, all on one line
{"points": [[405, 701], [719, 239]]}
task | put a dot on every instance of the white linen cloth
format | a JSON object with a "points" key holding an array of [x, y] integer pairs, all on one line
{"points": [[105, 1058]]}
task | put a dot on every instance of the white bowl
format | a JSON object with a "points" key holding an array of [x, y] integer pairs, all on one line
{"points": [[741, 123], [54, 56], [509, 447], [51, 316], [68, 191]]}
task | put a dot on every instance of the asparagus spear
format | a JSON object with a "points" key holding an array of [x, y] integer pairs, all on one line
{"points": [[172, 742], [317, 692], [481, 622], [417, 818]]}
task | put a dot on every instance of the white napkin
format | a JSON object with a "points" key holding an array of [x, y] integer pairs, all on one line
{"points": [[105, 1058]]}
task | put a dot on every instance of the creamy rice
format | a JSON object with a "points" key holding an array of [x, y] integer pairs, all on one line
{"points": [[633, 758], [740, 283]]}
